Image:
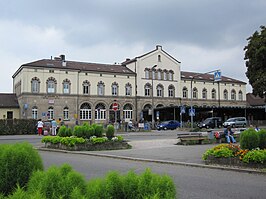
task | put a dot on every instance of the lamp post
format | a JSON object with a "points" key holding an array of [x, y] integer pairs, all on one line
{"points": [[191, 92], [152, 100]]}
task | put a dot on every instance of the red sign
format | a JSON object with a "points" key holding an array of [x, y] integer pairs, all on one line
{"points": [[115, 106]]}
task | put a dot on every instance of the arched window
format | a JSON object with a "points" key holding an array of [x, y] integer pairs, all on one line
{"points": [[171, 73], [100, 112], [66, 86], [114, 89], [86, 87], [159, 74], [159, 90], [240, 96], [35, 85], [85, 112], [213, 94], [204, 93], [34, 111], [50, 113], [159, 58], [147, 73], [100, 88], [128, 89], [233, 95], [195, 93], [51, 85], [225, 94], [128, 110], [185, 92], [147, 89], [165, 74], [171, 91], [66, 113]]}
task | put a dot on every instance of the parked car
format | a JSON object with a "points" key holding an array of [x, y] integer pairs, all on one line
{"points": [[172, 124], [236, 122], [211, 122]]}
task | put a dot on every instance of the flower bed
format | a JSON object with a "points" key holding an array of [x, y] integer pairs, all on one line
{"points": [[80, 144], [233, 155]]}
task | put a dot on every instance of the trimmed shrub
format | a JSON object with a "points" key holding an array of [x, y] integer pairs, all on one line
{"points": [[110, 132], [249, 139], [17, 163], [131, 185], [262, 139], [17, 126], [98, 130], [64, 131], [58, 182], [79, 131], [255, 156]]}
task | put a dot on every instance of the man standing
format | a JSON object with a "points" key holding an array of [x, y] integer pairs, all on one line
{"points": [[54, 126]]}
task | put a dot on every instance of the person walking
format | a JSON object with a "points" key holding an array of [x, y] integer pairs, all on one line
{"points": [[54, 126], [40, 126], [229, 135]]}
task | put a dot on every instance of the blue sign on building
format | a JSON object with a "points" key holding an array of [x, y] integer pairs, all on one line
{"points": [[217, 76]]}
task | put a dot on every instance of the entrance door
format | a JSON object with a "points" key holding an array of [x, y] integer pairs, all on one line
{"points": [[9, 114]]}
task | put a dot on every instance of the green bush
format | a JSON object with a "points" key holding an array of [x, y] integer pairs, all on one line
{"points": [[249, 139], [98, 140], [62, 182], [62, 131], [255, 156], [262, 139], [17, 126], [79, 131], [131, 185], [98, 128], [110, 132], [17, 163], [68, 141]]}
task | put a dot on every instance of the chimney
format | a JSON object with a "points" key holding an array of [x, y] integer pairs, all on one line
{"points": [[158, 47], [63, 57], [127, 59]]}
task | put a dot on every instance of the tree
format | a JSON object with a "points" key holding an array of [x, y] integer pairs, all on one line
{"points": [[255, 57]]}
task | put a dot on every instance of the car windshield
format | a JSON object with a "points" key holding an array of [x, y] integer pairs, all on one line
{"points": [[207, 120], [231, 120]]}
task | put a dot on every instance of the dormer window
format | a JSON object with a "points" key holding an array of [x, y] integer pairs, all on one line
{"points": [[159, 58]]}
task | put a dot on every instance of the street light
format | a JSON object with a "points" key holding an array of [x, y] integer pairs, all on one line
{"points": [[191, 92], [152, 100]]}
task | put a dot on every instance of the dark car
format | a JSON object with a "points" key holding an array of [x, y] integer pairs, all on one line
{"points": [[211, 122], [172, 124]]}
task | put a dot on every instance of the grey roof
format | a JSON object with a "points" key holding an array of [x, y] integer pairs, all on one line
{"points": [[253, 100], [208, 77], [8, 100]]}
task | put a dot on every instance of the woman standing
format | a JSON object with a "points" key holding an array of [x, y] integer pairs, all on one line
{"points": [[40, 126]]}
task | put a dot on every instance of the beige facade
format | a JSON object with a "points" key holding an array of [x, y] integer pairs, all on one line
{"points": [[5, 112], [79, 91]]}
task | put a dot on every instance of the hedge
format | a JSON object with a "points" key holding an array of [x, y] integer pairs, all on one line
{"points": [[17, 126]]}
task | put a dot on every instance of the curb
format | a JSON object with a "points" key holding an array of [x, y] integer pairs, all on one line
{"points": [[241, 170]]}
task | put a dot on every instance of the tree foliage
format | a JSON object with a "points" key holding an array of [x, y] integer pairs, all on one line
{"points": [[255, 56]]}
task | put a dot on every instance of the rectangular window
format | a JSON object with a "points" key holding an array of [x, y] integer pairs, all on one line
{"points": [[171, 93], [114, 90], [184, 94], [164, 75], [34, 114], [147, 91], [100, 89], [128, 90], [128, 114], [85, 89], [100, 114], [35, 86], [146, 74], [85, 114], [159, 75], [65, 114], [66, 88], [51, 87]]}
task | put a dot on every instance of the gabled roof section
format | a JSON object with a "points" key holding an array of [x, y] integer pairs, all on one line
{"points": [[75, 65], [128, 61], [8, 100], [208, 77], [253, 100]]}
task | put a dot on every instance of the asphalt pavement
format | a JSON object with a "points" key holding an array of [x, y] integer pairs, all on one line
{"points": [[163, 150]]}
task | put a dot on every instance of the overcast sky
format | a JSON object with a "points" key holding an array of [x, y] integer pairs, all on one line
{"points": [[202, 34]]}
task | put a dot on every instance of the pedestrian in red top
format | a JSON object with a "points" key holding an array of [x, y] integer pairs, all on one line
{"points": [[40, 126]]}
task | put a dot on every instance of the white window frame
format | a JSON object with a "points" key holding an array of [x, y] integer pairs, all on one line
{"points": [[114, 89], [50, 113], [35, 86], [128, 90], [100, 89], [34, 113], [214, 94], [147, 91], [159, 91], [66, 114], [66, 88]]}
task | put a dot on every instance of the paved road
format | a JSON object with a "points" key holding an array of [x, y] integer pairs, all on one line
{"points": [[191, 182]]}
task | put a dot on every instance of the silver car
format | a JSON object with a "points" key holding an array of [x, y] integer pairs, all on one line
{"points": [[236, 122]]}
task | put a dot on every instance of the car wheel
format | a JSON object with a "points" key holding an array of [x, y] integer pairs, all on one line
{"points": [[165, 128], [233, 125], [207, 127]]}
